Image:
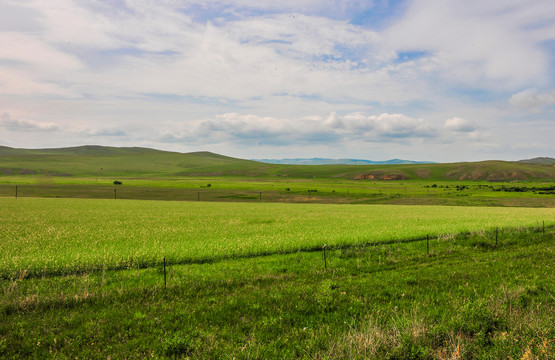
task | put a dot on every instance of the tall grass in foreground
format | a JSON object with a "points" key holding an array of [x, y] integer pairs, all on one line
{"points": [[64, 236], [466, 299]]}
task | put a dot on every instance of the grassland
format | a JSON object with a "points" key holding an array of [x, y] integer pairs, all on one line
{"points": [[254, 190], [465, 299], [82, 274], [62, 236], [89, 172]]}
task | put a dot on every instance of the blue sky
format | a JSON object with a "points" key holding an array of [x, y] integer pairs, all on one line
{"points": [[422, 80]]}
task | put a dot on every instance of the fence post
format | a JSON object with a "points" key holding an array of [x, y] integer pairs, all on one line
{"points": [[16, 191], [164, 273], [115, 196], [261, 196], [198, 196], [325, 262]]}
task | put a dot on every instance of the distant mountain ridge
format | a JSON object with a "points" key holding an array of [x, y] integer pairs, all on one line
{"points": [[326, 161]]}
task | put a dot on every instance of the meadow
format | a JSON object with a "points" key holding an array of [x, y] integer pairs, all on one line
{"points": [[229, 261], [286, 190], [64, 236], [465, 298]]}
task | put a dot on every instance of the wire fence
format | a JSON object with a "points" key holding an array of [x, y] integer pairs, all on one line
{"points": [[493, 237], [205, 193]]}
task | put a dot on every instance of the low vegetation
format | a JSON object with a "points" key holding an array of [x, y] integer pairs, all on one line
{"points": [[63, 236], [252, 260], [463, 298], [98, 161]]}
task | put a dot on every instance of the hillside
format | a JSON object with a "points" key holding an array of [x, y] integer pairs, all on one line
{"points": [[539, 160], [93, 161], [111, 161]]}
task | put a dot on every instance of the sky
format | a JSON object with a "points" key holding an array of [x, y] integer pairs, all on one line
{"points": [[444, 81]]}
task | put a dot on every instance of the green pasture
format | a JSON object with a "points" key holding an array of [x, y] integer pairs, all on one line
{"points": [[82, 271], [90, 172], [464, 299], [58, 236], [309, 190]]}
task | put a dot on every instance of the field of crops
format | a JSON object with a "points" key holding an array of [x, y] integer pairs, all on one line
{"points": [[61, 236]]}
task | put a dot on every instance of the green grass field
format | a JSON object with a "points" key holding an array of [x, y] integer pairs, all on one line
{"points": [[338, 191], [89, 172], [464, 298], [61, 236], [82, 270]]}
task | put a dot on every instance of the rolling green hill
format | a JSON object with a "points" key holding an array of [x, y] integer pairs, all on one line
{"points": [[127, 162], [90, 161]]}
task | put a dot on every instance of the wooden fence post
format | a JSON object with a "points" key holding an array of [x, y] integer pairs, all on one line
{"points": [[165, 273], [325, 262]]}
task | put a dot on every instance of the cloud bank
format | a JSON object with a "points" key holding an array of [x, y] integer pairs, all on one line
{"points": [[241, 76]]}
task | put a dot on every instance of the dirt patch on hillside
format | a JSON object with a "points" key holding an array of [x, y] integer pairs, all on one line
{"points": [[506, 176], [423, 173], [395, 177], [491, 175], [365, 177]]}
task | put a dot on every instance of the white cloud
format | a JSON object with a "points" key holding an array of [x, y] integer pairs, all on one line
{"points": [[69, 23], [533, 100], [459, 125], [16, 18], [303, 36], [191, 72], [241, 8], [15, 82], [29, 49], [26, 125], [401, 126], [316, 129], [476, 43], [383, 125]]}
